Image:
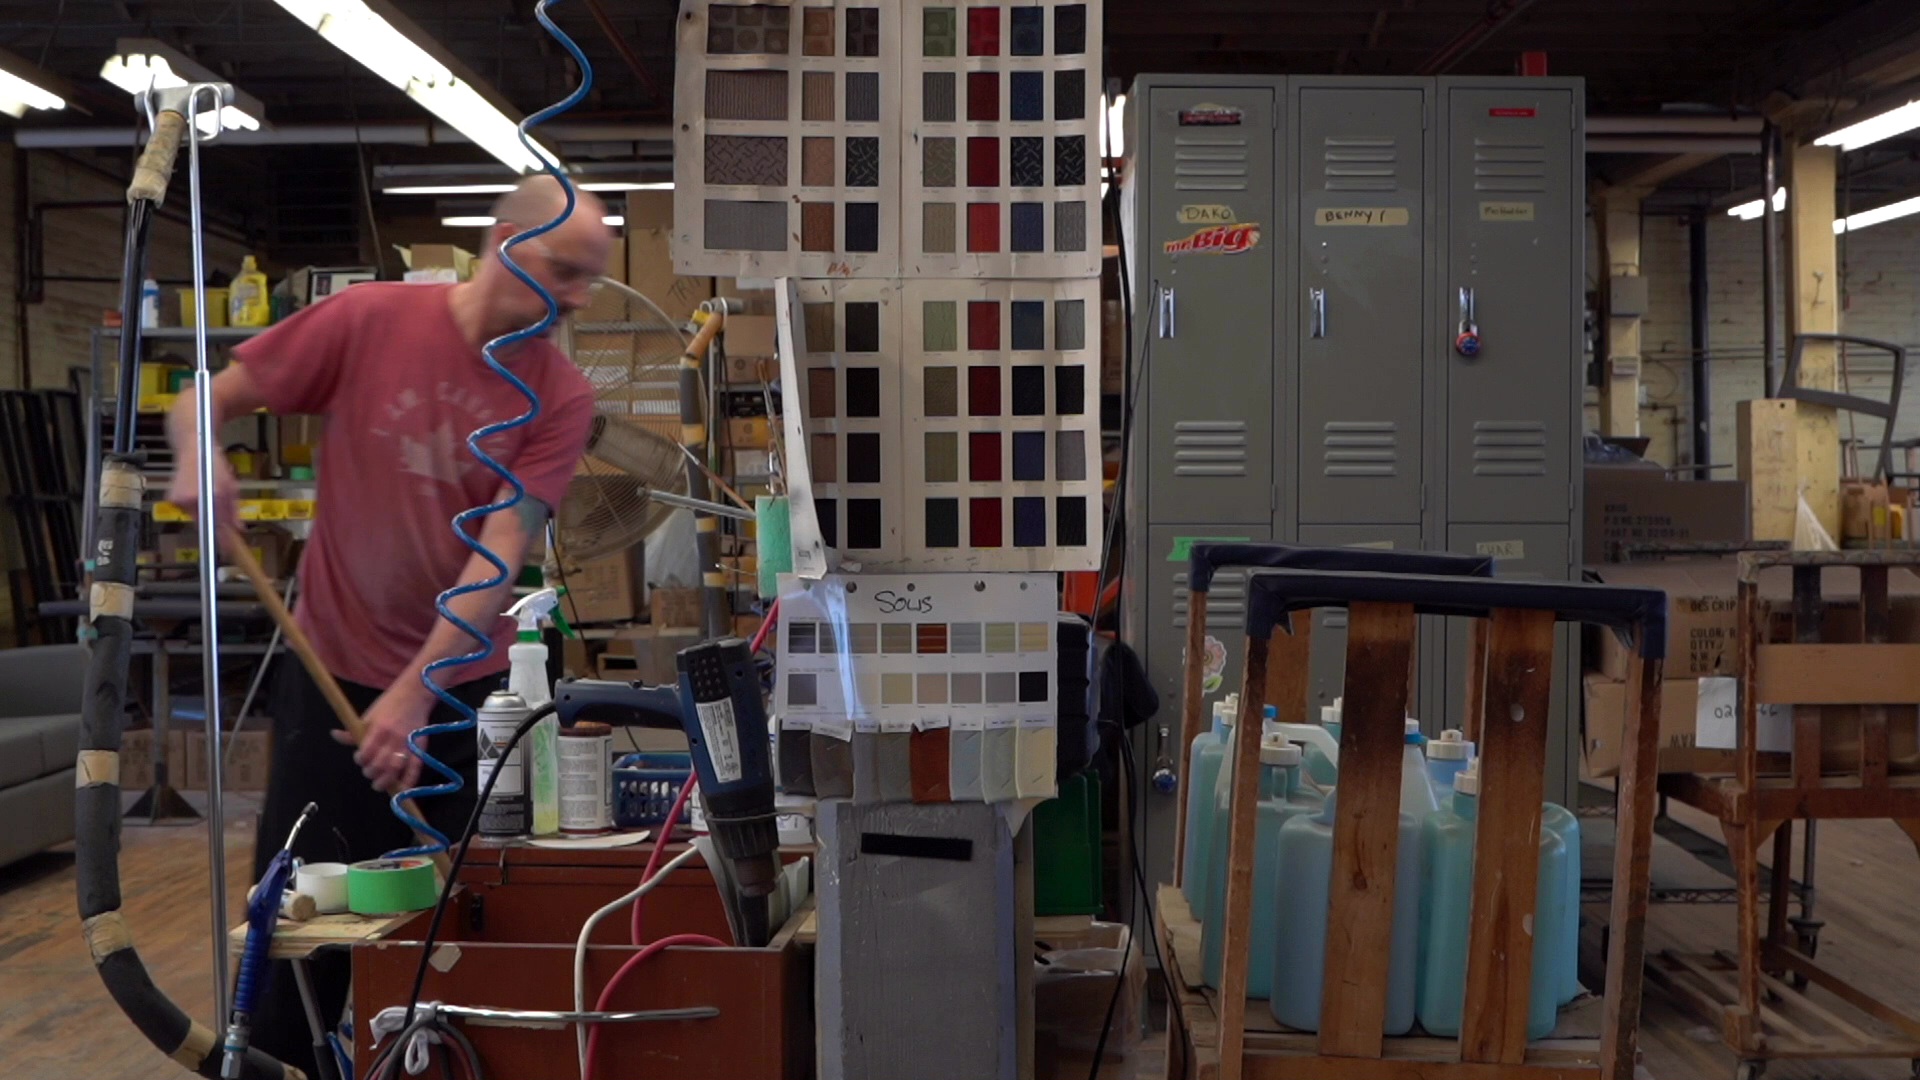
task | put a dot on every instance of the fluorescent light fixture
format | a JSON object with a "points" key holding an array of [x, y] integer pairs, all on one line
{"points": [[141, 64], [1113, 127], [1747, 211], [24, 86], [482, 221], [370, 37], [1877, 215], [1874, 128], [502, 189]]}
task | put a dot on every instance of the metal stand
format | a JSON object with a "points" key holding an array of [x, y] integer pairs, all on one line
{"points": [[161, 802]]}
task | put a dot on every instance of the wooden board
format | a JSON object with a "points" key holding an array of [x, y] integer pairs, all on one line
{"points": [[1765, 460], [1819, 674], [298, 940]]}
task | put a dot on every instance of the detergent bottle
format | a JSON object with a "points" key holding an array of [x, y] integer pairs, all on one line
{"points": [[1446, 899], [1203, 770], [1561, 822], [1447, 757], [1322, 766], [1416, 791], [1300, 944], [527, 677], [1281, 799], [247, 300]]}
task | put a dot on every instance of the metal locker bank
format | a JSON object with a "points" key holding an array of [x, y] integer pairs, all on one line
{"points": [[1358, 309]]}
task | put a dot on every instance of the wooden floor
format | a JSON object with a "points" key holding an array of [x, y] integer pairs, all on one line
{"points": [[57, 1023]]}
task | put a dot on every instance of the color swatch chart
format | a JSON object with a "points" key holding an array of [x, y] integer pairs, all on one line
{"points": [[786, 152], [923, 138], [946, 425]]}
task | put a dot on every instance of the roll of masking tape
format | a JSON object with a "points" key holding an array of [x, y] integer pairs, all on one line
{"points": [[390, 886], [326, 882]]}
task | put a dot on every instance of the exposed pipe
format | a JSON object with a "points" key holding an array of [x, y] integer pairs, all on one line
{"points": [[408, 133], [1499, 13], [1769, 259], [625, 50], [1675, 125], [1702, 399], [1665, 144]]}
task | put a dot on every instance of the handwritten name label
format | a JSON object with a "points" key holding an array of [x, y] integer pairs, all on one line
{"points": [[1362, 215], [1204, 214], [1502, 549], [1506, 211]]}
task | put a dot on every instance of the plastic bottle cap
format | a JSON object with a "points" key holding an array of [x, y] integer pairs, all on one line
{"points": [[1449, 747], [1329, 714], [1276, 750], [1270, 712], [1414, 738], [1467, 780]]}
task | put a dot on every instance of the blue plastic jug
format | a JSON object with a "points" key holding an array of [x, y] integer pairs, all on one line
{"points": [[1209, 749], [1446, 899], [1447, 757], [1561, 822], [1300, 946], [1320, 768], [1280, 801]]}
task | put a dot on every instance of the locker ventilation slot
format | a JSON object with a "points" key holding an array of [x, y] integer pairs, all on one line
{"points": [[1509, 165], [1360, 164], [1226, 600], [1210, 448], [1209, 164], [1509, 448], [1361, 448]]}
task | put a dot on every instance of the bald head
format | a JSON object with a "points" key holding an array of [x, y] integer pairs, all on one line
{"points": [[539, 199], [564, 261]]}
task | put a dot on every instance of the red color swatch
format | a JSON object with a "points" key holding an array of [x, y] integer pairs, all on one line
{"points": [[983, 161], [983, 390], [983, 31], [983, 96], [983, 227], [983, 519], [983, 457], [983, 325]]}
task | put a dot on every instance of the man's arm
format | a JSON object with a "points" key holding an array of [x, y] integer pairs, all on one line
{"points": [[234, 393], [406, 704]]}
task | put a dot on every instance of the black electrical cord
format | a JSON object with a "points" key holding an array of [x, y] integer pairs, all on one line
{"points": [[460, 856]]}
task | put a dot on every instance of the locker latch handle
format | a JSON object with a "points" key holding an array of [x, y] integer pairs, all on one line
{"points": [[1318, 299], [1466, 341], [1166, 312]]}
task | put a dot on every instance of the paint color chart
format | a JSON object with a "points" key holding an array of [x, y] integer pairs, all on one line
{"points": [[786, 150], [944, 425], [923, 138]]}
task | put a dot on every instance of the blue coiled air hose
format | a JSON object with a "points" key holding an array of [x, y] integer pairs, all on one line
{"points": [[468, 717]]}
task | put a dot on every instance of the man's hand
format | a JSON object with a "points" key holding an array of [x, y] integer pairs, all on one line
{"points": [[183, 490], [383, 755]]}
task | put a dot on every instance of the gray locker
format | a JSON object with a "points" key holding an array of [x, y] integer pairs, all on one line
{"points": [[1329, 663], [1361, 229], [1211, 191], [1509, 210]]}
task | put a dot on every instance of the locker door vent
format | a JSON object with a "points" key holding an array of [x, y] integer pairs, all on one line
{"points": [[1209, 164], [1509, 165], [1361, 448], [1509, 448], [1210, 448], [1360, 163], [1226, 600]]}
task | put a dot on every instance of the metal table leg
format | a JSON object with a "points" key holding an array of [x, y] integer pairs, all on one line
{"points": [[322, 1053], [161, 802]]}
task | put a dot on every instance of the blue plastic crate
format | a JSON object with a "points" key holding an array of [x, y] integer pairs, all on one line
{"points": [[644, 786]]}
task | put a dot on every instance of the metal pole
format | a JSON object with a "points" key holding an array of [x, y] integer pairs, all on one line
{"points": [[205, 449], [1702, 395], [1769, 259]]}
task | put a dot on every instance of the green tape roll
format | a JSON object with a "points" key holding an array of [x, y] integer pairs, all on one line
{"points": [[391, 886], [773, 538]]}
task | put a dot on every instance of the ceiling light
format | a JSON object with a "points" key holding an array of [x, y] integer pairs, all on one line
{"points": [[482, 221], [502, 189], [1877, 215], [142, 64], [24, 86], [1874, 128], [1747, 211], [370, 36]]}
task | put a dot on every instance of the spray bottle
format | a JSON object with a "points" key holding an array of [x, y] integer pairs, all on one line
{"points": [[527, 677]]}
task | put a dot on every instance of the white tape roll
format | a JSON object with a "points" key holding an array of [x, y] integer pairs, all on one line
{"points": [[326, 882]]}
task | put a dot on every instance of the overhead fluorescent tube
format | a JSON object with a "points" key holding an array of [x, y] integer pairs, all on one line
{"points": [[142, 64], [1877, 215], [501, 189], [1747, 211], [24, 86], [482, 221], [1874, 128], [358, 30]]}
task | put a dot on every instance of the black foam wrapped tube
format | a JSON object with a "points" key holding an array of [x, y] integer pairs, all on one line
{"points": [[1204, 560]]}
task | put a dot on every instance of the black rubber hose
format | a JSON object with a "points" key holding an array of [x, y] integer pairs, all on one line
{"points": [[133, 273]]}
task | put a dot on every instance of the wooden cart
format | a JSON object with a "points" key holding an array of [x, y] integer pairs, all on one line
{"points": [[1517, 665], [1758, 994]]}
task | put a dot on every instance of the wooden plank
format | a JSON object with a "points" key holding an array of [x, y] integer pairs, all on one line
{"points": [[1875, 628], [1708, 1001], [1366, 830], [1243, 757], [1722, 982], [1807, 611], [1781, 873], [1288, 684], [1201, 1030], [296, 940], [1765, 463], [1801, 964], [1632, 865], [1813, 291], [1301, 1067], [1823, 674], [1790, 998], [1835, 802], [1619, 217], [1192, 701], [1506, 848], [1476, 680]]}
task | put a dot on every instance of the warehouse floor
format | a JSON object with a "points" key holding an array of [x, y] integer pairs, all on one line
{"points": [[57, 1024]]}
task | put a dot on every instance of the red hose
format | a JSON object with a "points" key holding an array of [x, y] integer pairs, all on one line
{"points": [[766, 624], [634, 961], [660, 840]]}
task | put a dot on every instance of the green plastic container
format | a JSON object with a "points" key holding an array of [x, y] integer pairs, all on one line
{"points": [[1066, 849]]}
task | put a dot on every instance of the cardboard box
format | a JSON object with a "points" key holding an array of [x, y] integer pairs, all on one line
{"points": [[610, 588], [755, 294], [646, 653], [438, 257], [749, 335], [136, 760], [1625, 504], [1073, 987], [650, 256], [245, 767], [675, 607], [750, 370], [312, 284], [748, 432]]}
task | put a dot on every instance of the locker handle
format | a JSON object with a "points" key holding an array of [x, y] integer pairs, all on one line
{"points": [[1318, 325], [1466, 339], [1166, 312]]}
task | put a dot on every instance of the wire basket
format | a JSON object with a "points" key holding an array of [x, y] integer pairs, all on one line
{"points": [[644, 786]]}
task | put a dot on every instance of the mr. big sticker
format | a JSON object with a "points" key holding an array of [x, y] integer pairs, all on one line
{"points": [[1217, 240], [1208, 114]]}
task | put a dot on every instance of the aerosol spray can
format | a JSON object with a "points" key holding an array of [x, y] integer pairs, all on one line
{"points": [[508, 812]]}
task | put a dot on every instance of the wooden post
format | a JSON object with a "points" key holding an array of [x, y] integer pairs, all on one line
{"points": [[1191, 700], [1243, 757], [1476, 680], [1767, 463], [1366, 830], [1632, 866], [1875, 618], [1288, 663], [1506, 848], [1620, 246], [1813, 307]]}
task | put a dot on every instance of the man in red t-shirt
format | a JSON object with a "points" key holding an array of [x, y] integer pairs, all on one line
{"points": [[397, 372]]}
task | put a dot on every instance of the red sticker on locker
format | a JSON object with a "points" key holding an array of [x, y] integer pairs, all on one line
{"points": [[1510, 112]]}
